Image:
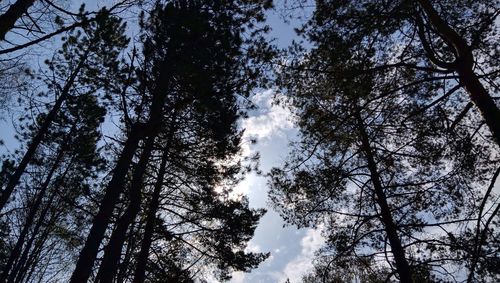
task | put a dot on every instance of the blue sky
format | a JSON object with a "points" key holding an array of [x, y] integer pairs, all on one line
{"points": [[292, 249]]}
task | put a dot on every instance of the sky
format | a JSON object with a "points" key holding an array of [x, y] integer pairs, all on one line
{"points": [[291, 249]]}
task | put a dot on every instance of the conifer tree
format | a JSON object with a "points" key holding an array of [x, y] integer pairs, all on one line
{"points": [[193, 68], [449, 43], [375, 173], [85, 59]]}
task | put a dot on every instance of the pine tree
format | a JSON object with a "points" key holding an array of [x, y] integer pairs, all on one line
{"points": [[83, 58], [374, 169], [192, 69], [449, 43]]}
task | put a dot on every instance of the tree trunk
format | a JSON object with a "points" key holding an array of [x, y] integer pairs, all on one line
{"points": [[464, 65], [124, 268], [31, 215], [112, 252], [29, 264], [37, 139], [142, 258], [101, 220], [115, 187], [397, 249], [24, 256], [13, 14]]}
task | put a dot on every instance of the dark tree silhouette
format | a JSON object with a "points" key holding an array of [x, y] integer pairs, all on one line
{"points": [[95, 49], [448, 41], [193, 64], [374, 168]]}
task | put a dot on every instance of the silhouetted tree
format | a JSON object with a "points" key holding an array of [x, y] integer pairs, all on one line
{"points": [[449, 43], [85, 59], [63, 166], [192, 70], [373, 167]]}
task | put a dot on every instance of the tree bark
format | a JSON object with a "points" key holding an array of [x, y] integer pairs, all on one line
{"points": [[101, 220], [13, 14], [115, 186], [390, 227], [112, 252], [464, 66]]}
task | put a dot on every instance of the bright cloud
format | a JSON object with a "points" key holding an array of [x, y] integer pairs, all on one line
{"points": [[269, 122], [299, 266], [271, 119]]}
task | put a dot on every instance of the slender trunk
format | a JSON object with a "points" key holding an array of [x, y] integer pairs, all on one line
{"points": [[464, 66], [115, 186], [112, 252], [13, 14], [37, 139], [481, 236], [123, 270], [36, 229], [29, 264], [390, 227], [101, 220], [24, 257], [31, 216], [142, 258]]}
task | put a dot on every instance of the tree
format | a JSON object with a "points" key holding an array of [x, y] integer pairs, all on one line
{"points": [[450, 42], [36, 20], [352, 270], [372, 166], [62, 179], [192, 65], [95, 49], [13, 13]]}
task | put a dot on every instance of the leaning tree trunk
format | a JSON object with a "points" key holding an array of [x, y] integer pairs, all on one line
{"points": [[464, 65], [30, 263], [125, 265], [142, 257], [101, 220], [13, 14], [114, 189], [37, 139], [390, 227], [31, 216], [41, 219], [112, 252]]}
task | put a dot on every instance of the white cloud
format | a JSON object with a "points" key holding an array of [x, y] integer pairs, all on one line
{"points": [[271, 119], [238, 277], [299, 266], [252, 248]]}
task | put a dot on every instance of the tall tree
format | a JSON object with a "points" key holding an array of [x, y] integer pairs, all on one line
{"points": [[449, 41], [85, 57], [192, 57], [372, 166], [69, 154]]}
